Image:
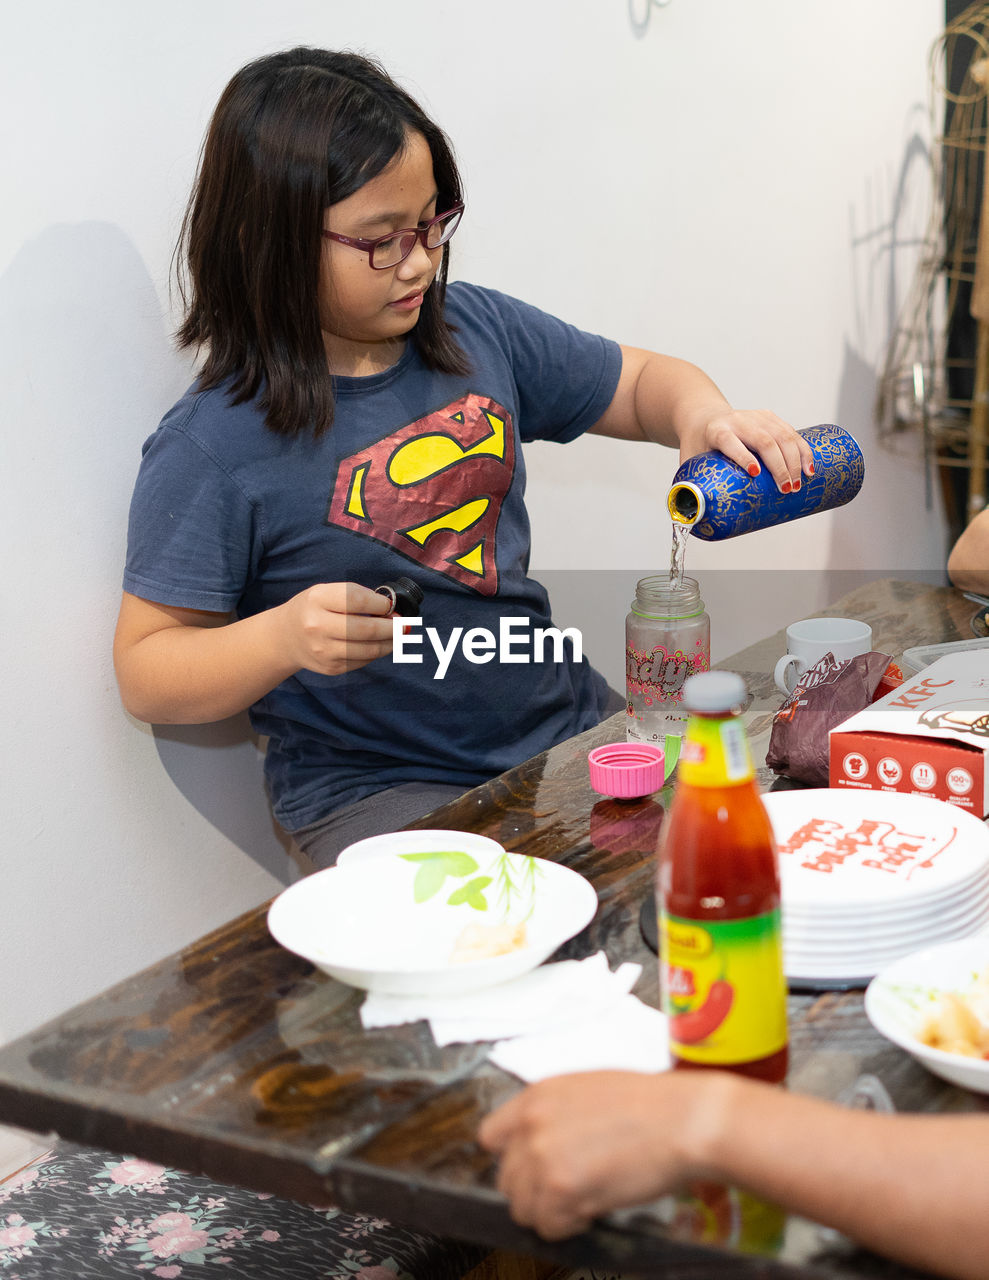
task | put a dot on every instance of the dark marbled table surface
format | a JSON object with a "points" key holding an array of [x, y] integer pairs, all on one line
{"points": [[239, 1060]]}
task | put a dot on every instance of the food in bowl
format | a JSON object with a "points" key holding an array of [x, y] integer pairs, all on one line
{"points": [[959, 1021], [483, 941], [901, 1001]]}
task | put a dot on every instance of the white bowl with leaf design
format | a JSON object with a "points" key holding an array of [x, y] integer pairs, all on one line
{"points": [[392, 921], [393, 842]]}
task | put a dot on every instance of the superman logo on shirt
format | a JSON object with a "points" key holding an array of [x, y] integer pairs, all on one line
{"points": [[434, 489]]}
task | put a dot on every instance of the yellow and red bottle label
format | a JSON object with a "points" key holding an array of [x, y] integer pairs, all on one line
{"points": [[715, 753], [711, 1213], [723, 988]]}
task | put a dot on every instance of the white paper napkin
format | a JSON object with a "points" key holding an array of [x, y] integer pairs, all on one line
{"points": [[575, 1015], [551, 994], [627, 1037]]}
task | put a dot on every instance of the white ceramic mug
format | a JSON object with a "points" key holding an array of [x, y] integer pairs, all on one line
{"points": [[808, 641]]}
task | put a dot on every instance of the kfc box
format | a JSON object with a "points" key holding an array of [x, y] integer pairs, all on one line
{"points": [[928, 737]]}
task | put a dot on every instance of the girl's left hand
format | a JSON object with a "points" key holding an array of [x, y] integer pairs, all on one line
{"points": [[753, 438]]}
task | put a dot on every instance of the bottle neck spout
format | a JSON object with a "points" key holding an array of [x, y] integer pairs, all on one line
{"points": [[685, 503]]}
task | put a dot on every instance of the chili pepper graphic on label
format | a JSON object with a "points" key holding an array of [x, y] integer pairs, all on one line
{"points": [[697, 1025]]}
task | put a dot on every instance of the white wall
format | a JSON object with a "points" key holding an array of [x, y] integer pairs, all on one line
{"points": [[720, 183]]}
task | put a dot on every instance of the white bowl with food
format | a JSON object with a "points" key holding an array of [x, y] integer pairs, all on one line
{"points": [[934, 1004], [438, 921]]}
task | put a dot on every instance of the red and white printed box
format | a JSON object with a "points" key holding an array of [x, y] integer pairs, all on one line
{"points": [[928, 737]]}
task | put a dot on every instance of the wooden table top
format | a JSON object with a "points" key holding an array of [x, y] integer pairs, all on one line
{"points": [[237, 1059]]}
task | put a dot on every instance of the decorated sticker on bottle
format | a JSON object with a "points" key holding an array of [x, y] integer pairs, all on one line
{"points": [[724, 991], [716, 752]]}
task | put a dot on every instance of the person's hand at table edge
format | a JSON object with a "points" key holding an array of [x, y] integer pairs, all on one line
{"points": [[912, 1187]]}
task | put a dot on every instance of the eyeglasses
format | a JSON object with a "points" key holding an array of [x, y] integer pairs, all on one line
{"points": [[390, 250]]}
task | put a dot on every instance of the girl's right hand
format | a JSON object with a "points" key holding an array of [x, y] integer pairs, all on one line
{"points": [[335, 627]]}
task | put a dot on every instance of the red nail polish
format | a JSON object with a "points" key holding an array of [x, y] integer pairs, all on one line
{"points": [[796, 487], [810, 468], [785, 487], [753, 470]]}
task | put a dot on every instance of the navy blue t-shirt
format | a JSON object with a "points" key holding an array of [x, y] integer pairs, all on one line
{"points": [[421, 475]]}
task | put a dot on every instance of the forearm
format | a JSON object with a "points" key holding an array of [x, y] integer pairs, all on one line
{"points": [[187, 666], [194, 675], [674, 402], [661, 399], [671, 402], [911, 1187]]}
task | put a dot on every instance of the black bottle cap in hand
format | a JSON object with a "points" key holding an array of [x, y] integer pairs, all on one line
{"points": [[406, 596]]}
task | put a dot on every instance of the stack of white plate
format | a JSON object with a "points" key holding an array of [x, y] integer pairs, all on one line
{"points": [[870, 876]]}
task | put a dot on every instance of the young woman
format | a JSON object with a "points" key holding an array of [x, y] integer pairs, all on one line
{"points": [[357, 419]]}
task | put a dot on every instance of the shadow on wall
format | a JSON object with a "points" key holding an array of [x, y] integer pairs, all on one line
{"points": [[88, 369], [856, 396], [885, 247], [881, 500], [219, 769]]}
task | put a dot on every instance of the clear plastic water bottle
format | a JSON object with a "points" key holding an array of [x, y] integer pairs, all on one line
{"points": [[667, 640]]}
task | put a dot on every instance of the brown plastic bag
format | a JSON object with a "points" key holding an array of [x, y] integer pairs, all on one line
{"points": [[826, 693]]}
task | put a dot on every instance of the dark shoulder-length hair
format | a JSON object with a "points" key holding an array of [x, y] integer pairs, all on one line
{"points": [[292, 133]]}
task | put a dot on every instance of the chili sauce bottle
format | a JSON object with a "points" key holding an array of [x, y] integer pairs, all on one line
{"points": [[718, 896]]}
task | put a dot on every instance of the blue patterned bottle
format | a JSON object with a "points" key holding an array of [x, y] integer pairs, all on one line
{"points": [[719, 499]]}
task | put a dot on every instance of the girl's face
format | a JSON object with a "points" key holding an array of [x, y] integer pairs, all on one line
{"points": [[364, 313]]}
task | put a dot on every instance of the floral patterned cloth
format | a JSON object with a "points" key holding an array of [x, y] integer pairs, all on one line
{"points": [[80, 1214]]}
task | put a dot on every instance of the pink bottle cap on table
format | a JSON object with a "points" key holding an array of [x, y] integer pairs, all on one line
{"points": [[627, 770]]}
